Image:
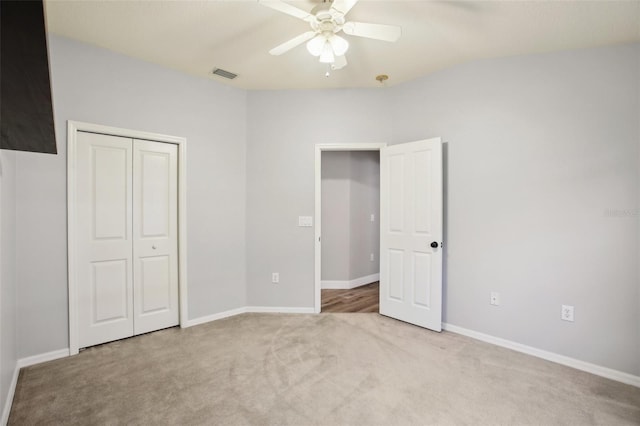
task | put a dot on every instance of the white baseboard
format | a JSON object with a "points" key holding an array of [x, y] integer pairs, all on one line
{"points": [[9, 401], [280, 310], [214, 317], [598, 370], [26, 362], [348, 285], [245, 309], [38, 359]]}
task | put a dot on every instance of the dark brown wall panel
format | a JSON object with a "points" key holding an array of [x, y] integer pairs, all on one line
{"points": [[26, 111]]}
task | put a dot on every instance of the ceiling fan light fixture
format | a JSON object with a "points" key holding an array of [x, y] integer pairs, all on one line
{"points": [[339, 45], [315, 46], [326, 20], [327, 57]]}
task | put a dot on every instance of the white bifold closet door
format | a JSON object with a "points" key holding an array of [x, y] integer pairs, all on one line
{"points": [[127, 237]]}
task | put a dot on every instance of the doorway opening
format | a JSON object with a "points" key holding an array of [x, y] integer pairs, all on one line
{"points": [[347, 239], [411, 229], [351, 233]]}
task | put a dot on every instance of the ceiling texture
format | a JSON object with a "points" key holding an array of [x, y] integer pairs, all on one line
{"points": [[197, 36]]}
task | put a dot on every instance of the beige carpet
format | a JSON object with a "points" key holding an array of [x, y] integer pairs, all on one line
{"points": [[330, 369]]}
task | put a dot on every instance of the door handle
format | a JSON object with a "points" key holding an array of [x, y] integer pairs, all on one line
{"points": [[434, 244], [153, 247]]}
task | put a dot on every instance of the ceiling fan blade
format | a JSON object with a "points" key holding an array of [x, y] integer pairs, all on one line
{"points": [[288, 45], [339, 62], [343, 6], [283, 7], [375, 31]]}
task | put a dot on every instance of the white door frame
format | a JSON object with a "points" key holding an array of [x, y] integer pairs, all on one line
{"points": [[73, 127], [318, 199]]}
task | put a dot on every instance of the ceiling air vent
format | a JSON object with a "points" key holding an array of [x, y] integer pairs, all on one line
{"points": [[224, 73]]}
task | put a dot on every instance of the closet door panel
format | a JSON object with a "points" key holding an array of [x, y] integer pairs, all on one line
{"points": [[155, 235], [104, 238]]}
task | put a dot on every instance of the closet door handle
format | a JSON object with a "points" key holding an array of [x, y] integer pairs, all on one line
{"points": [[153, 247]]}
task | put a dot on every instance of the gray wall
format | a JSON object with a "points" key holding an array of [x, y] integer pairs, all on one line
{"points": [[283, 128], [365, 200], [8, 344], [95, 85], [350, 194], [541, 171], [540, 149], [336, 215]]}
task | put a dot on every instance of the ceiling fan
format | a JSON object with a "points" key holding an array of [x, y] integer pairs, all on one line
{"points": [[327, 19]]}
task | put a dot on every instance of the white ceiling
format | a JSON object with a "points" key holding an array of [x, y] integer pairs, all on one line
{"points": [[197, 36]]}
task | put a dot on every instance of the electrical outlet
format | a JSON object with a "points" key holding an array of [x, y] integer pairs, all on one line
{"points": [[275, 277], [567, 313], [495, 298], [371, 257]]}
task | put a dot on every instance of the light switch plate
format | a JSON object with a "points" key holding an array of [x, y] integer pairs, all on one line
{"points": [[306, 221]]}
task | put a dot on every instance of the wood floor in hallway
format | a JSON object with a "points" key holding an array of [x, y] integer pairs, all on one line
{"points": [[360, 299]]}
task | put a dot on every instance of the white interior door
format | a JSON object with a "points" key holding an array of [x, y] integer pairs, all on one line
{"points": [[411, 232], [155, 232], [104, 238]]}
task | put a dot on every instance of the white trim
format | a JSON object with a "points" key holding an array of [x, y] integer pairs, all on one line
{"points": [[5, 411], [348, 285], [215, 317], [71, 237], [335, 285], [26, 362], [9, 401], [126, 133], [182, 231], [73, 127], [598, 370], [247, 309], [39, 359], [318, 206], [279, 310]]}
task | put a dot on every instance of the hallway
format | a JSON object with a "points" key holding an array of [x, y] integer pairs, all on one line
{"points": [[360, 299]]}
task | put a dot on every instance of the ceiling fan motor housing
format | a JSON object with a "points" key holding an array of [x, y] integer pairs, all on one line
{"points": [[326, 18]]}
